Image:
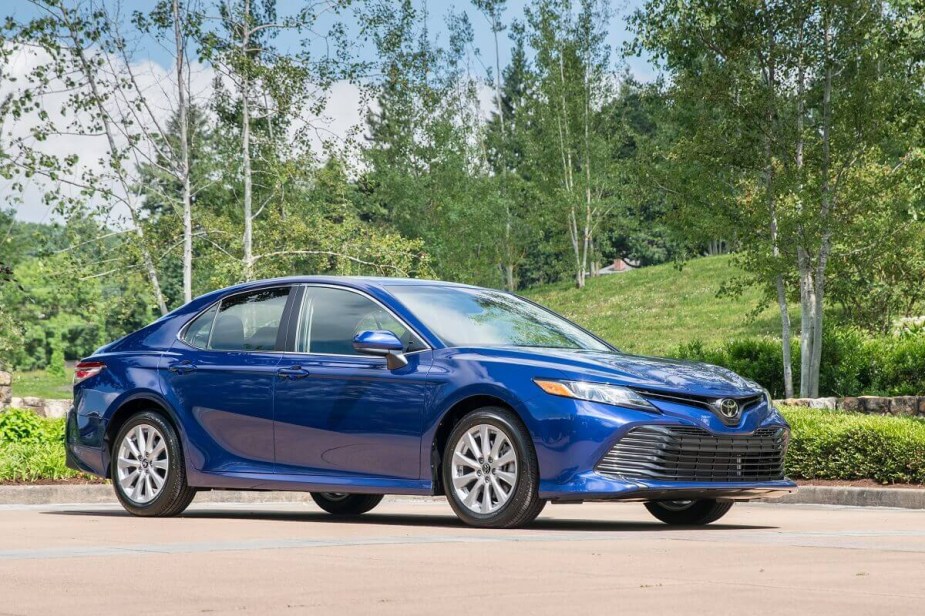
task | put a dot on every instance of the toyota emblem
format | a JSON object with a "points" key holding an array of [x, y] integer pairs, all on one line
{"points": [[729, 408]]}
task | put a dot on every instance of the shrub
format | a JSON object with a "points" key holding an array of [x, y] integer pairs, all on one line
{"points": [[22, 426], [836, 445], [758, 359], [852, 362], [32, 447]]}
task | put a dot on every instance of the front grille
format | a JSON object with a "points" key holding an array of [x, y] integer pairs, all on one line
{"points": [[680, 453]]}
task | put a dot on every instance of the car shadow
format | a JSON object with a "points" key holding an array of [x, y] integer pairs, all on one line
{"points": [[416, 520]]}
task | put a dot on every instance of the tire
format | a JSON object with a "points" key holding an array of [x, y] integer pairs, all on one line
{"points": [[165, 465], [346, 504], [692, 513], [507, 505]]}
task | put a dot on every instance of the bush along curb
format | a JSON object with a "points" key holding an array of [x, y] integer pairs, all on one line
{"points": [[909, 406]]}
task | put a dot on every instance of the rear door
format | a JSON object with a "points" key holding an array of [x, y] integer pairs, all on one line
{"points": [[339, 412], [220, 374]]}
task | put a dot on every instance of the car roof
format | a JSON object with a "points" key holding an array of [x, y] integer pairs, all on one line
{"points": [[358, 282]]}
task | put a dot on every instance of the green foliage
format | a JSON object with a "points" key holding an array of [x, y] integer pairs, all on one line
{"points": [[853, 363], [758, 359], [836, 445], [32, 448]]}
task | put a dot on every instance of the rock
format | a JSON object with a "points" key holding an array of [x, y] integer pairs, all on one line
{"points": [[823, 403], [796, 402], [5, 378], [903, 405], [875, 404], [55, 409], [852, 405], [921, 406], [32, 401]]}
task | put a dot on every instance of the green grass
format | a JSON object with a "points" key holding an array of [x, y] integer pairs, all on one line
{"points": [[41, 384], [653, 310]]}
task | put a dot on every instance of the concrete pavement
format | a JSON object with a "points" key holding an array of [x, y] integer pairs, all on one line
{"points": [[415, 558]]}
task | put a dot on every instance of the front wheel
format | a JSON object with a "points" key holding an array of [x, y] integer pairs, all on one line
{"points": [[490, 472], [689, 512], [346, 504]]}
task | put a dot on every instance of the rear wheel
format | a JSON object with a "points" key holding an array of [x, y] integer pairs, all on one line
{"points": [[689, 512], [490, 472], [147, 467], [346, 504]]}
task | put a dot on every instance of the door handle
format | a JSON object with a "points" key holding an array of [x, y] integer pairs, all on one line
{"points": [[182, 367], [293, 372]]}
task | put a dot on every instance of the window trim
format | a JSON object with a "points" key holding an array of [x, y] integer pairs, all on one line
{"points": [[305, 297], [283, 325]]}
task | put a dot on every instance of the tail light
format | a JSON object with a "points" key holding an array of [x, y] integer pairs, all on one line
{"points": [[85, 369]]}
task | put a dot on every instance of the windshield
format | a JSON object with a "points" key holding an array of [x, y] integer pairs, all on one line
{"points": [[480, 317]]}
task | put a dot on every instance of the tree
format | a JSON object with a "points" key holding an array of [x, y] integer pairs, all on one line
{"points": [[574, 82], [785, 104]]}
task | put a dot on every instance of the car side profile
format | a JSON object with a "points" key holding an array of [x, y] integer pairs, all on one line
{"points": [[352, 388]]}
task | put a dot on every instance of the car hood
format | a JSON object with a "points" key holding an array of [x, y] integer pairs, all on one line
{"points": [[669, 375]]}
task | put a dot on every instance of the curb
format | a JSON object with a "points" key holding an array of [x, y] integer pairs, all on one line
{"points": [[102, 493], [904, 498]]}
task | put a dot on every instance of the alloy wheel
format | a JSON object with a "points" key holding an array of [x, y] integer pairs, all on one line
{"points": [[484, 469], [143, 463]]}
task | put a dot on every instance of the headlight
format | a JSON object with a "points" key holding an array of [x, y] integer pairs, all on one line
{"points": [[767, 398], [596, 392]]}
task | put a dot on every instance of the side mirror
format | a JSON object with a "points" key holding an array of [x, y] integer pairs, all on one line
{"points": [[383, 343]]}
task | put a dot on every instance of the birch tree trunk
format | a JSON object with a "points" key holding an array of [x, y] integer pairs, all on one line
{"points": [[106, 124], [246, 150], [184, 162]]}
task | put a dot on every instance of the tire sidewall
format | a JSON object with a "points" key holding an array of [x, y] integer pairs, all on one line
{"points": [[527, 474], [176, 471]]}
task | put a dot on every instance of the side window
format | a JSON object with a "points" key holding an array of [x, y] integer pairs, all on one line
{"points": [[249, 322], [331, 318], [198, 332]]}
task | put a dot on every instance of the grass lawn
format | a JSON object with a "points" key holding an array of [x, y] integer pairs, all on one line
{"points": [[652, 310], [41, 384]]}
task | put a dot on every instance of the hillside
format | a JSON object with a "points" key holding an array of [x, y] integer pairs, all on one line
{"points": [[654, 309]]}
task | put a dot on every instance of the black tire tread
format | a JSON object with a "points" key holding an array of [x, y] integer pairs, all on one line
{"points": [[354, 504], [700, 513]]}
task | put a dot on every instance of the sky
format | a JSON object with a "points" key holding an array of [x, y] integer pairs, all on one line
{"points": [[152, 63]]}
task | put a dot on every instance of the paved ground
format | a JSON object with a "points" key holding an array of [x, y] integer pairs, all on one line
{"points": [[415, 558]]}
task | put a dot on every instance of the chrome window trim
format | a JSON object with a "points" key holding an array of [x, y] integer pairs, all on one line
{"points": [[362, 294], [218, 302]]}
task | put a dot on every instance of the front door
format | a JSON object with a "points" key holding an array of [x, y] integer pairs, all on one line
{"points": [[340, 413], [220, 374]]}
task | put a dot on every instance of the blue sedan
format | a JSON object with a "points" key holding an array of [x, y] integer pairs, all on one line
{"points": [[352, 388]]}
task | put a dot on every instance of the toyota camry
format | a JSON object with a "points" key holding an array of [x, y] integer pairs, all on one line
{"points": [[353, 388]]}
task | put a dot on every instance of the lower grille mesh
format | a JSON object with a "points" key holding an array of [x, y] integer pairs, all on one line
{"points": [[679, 453]]}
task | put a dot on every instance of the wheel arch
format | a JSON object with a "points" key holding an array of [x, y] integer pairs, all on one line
{"points": [[135, 403], [453, 416]]}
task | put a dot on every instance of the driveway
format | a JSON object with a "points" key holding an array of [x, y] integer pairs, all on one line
{"points": [[413, 557]]}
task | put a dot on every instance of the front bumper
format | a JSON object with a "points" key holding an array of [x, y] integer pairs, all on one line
{"points": [[682, 453], [591, 486]]}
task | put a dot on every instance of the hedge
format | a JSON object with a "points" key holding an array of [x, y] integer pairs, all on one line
{"points": [[837, 445]]}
